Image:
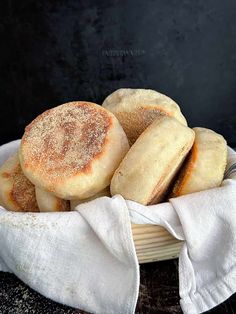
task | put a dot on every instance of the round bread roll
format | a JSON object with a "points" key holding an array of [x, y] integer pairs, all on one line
{"points": [[105, 192], [17, 193], [47, 202], [73, 150], [205, 166], [151, 163], [136, 109]]}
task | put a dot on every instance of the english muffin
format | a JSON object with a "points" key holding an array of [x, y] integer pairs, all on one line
{"points": [[105, 192], [205, 166], [48, 202], [73, 150], [150, 165], [136, 109], [17, 193]]}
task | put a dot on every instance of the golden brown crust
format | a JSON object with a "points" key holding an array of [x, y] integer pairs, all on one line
{"points": [[205, 165], [59, 145], [185, 172], [20, 194], [23, 192], [161, 189]]}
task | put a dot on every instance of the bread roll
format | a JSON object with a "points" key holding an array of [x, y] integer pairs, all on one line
{"points": [[136, 109], [205, 166], [17, 193], [73, 150], [105, 192], [151, 163], [48, 202]]}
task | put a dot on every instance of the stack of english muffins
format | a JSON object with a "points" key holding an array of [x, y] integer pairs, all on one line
{"points": [[137, 144]]}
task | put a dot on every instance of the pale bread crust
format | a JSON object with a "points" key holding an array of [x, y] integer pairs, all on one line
{"points": [[105, 192], [205, 166], [47, 202], [150, 165], [17, 193], [136, 109], [73, 150]]}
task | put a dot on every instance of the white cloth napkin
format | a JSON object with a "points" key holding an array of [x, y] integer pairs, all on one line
{"points": [[86, 258]]}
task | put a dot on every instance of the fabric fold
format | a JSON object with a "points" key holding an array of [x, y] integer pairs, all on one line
{"points": [[208, 219], [64, 258]]}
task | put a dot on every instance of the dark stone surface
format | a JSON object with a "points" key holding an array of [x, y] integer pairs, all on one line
{"points": [[159, 293]]}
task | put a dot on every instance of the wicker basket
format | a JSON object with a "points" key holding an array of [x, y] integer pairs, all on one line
{"points": [[154, 243]]}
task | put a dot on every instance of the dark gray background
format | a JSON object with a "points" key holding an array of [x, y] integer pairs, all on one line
{"points": [[56, 51]]}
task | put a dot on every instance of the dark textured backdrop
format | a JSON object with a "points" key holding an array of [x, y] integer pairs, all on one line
{"points": [[55, 51]]}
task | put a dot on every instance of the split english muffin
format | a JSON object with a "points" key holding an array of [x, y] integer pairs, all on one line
{"points": [[205, 166], [73, 150], [152, 162], [136, 109], [17, 193]]}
